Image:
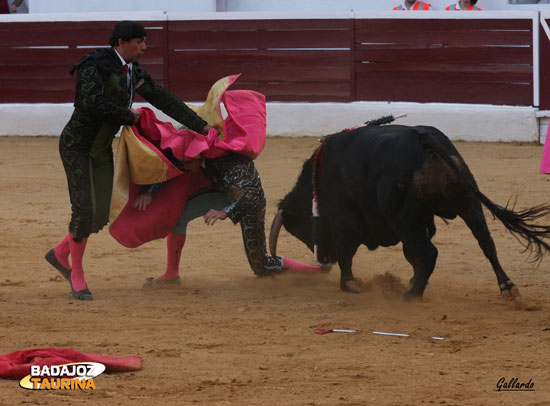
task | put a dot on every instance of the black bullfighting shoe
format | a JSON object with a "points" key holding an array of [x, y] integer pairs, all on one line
{"points": [[51, 258], [83, 294]]}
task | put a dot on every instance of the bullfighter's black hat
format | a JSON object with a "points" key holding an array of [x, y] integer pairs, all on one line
{"points": [[126, 30]]}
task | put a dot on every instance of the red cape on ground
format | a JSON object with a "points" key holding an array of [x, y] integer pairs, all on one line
{"points": [[17, 365]]}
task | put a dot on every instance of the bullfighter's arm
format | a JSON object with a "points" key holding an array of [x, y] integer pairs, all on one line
{"points": [[146, 194], [167, 102], [243, 189]]}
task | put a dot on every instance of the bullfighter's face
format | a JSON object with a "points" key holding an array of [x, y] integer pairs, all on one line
{"points": [[131, 50]]}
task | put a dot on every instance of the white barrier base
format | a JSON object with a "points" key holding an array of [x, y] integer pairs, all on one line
{"points": [[458, 121]]}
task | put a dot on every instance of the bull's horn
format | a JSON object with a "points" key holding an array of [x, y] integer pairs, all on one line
{"points": [[274, 232]]}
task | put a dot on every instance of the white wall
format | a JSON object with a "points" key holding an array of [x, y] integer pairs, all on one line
{"points": [[459, 121], [74, 6]]}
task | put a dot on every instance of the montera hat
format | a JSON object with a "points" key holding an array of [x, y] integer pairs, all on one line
{"points": [[126, 30]]}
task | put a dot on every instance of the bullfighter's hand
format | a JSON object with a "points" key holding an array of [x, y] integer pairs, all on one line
{"points": [[137, 114], [142, 201], [207, 128], [214, 215]]}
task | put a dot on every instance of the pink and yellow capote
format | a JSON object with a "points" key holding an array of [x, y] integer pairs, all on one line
{"points": [[141, 159]]}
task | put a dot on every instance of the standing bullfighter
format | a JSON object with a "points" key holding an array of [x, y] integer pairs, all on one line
{"points": [[106, 82]]}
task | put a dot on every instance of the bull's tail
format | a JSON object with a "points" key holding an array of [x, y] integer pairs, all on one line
{"points": [[521, 224]]}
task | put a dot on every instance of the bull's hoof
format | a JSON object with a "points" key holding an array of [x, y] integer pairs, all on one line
{"points": [[350, 286], [325, 268], [509, 290]]}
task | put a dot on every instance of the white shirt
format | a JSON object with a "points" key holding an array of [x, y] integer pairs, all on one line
{"points": [[128, 76], [123, 62]]}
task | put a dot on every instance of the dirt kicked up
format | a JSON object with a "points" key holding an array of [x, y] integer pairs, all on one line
{"points": [[226, 337]]}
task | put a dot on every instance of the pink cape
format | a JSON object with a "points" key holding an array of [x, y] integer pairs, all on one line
{"points": [[545, 163], [17, 365], [243, 132]]}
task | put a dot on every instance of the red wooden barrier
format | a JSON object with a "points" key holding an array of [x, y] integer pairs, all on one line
{"points": [[418, 60], [544, 64], [36, 57], [445, 60], [287, 60]]}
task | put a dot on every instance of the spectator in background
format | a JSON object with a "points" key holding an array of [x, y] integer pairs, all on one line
{"points": [[18, 6], [413, 5], [465, 5]]}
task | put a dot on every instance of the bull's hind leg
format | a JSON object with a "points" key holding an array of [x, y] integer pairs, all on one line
{"points": [[475, 219], [422, 255]]}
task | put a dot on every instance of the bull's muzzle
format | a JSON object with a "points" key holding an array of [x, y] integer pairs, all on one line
{"points": [[274, 232]]}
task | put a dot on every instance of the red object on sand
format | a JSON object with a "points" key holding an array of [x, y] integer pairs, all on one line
{"points": [[17, 365], [322, 330]]}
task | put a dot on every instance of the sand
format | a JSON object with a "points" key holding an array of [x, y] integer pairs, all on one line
{"points": [[226, 337]]}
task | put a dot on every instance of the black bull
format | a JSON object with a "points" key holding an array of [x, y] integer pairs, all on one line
{"points": [[379, 186]]}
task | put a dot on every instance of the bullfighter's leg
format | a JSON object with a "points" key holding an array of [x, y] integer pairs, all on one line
{"points": [[79, 178], [58, 257], [253, 233], [475, 219], [170, 277], [196, 207], [263, 264], [422, 255]]}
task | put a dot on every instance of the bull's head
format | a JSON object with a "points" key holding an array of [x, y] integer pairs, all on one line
{"points": [[295, 215]]}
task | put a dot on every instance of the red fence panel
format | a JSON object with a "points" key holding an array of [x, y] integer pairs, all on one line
{"points": [[445, 60], [287, 60], [544, 61], [462, 60], [36, 57]]}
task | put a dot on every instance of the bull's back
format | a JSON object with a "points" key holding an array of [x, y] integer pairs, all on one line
{"points": [[368, 171], [386, 170], [361, 160]]}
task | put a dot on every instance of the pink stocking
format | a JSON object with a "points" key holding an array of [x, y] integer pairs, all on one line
{"points": [[62, 251], [295, 266], [545, 163], [77, 254], [174, 245]]}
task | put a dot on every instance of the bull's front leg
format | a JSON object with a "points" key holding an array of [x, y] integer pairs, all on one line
{"points": [[347, 281], [345, 241]]}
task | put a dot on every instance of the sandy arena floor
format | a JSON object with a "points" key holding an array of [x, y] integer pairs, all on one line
{"points": [[228, 338]]}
